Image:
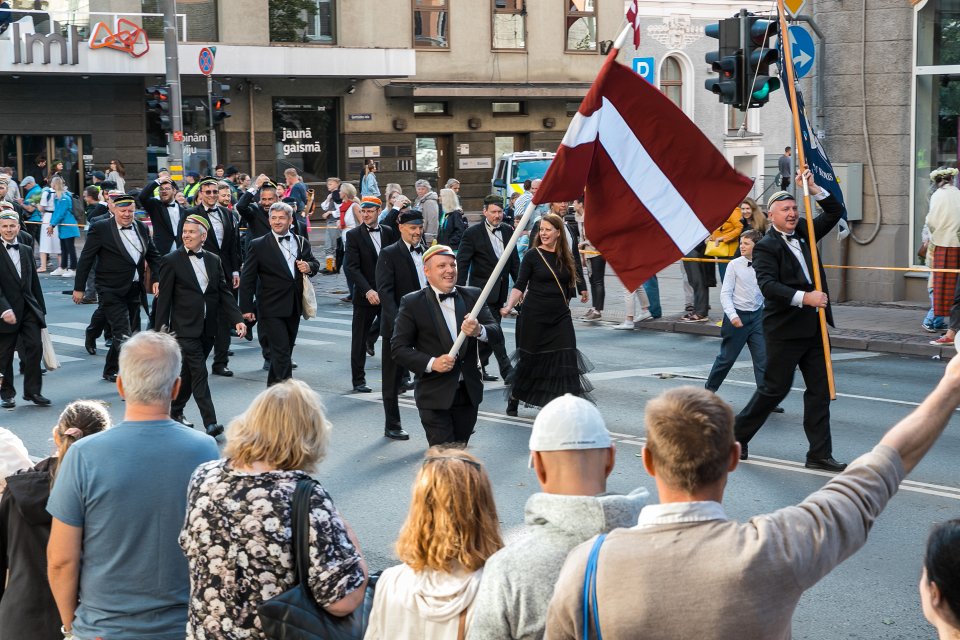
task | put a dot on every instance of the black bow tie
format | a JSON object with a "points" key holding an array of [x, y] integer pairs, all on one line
{"points": [[171, 205], [416, 249], [373, 229], [749, 263], [212, 211], [444, 296], [195, 254], [13, 246], [787, 236], [129, 227], [492, 229], [283, 237]]}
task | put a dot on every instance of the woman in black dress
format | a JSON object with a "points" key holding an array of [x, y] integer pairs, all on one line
{"points": [[547, 363]]}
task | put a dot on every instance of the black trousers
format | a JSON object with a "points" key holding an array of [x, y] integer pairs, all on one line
{"points": [[98, 325], [391, 375], [499, 350], [453, 425], [783, 358], [225, 332], [194, 378], [28, 342], [598, 269], [282, 335], [122, 313], [695, 276], [364, 317]]}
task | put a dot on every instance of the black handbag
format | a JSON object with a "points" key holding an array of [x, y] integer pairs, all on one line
{"points": [[294, 615]]}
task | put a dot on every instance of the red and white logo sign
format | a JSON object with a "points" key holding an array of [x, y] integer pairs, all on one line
{"points": [[129, 38]]}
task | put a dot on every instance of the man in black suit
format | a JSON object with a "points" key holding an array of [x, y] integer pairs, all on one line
{"points": [[165, 214], [222, 241], [364, 243], [121, 248], [194, 301], [22, 313], [791, 327], [278, 266], [480, 249], [449, 388], [399, 272], [8, 393], [255, 215]]}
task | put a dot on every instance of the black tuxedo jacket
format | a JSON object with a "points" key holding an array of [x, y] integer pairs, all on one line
{"points": [[183, 307], [256, 219], [20, 292], [266, 274], [421, 333], [115, 267], [780, 276], [229, 253], [476, 260], [165, 237], [360, 261], [396, 276]]}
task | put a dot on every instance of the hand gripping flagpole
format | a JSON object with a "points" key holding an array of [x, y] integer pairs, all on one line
{"points": [[517, 232], [808, 205]]}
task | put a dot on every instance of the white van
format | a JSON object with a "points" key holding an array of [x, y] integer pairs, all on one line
{"points": [[515, 168]]}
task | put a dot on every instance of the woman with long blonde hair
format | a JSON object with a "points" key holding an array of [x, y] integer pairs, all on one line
{"points": [[450, 532], [349, 218], [753, 217], [50, 241]]}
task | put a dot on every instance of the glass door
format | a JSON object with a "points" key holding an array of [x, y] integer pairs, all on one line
{"points": [[22, 152]]}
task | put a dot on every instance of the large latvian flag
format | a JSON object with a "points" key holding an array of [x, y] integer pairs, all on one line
{"points": [[654, 185]]}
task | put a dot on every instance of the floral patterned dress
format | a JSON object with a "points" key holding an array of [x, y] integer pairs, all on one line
{"points": [[237, 541]]}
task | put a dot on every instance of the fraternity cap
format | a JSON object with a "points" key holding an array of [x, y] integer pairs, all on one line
{"points": [[124, 199], [200, 220], [438, 250], [370, 201], [778, 196], [3, 178], [410, 216], [569, 423], [113, 194], [8, 212], [209, 180]]}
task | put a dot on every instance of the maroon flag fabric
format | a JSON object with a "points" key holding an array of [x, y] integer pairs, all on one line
{"points": [[654, 185]]}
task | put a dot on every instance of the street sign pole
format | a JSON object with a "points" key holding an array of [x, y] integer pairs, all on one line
{"points": [[175, 142], [213, 128]]}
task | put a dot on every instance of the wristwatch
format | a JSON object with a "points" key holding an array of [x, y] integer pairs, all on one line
{"points": [[67, 634]]}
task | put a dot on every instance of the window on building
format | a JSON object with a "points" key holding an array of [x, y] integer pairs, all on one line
{"points": [[200, 17], [509, 24], [302, 21], [430, 24], [671, 80], [509, 108], [581, 25], [306, 133], [572, 108], [430, 109]]}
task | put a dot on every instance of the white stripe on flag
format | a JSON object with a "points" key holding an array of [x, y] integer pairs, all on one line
{"points": [[640, 172]]}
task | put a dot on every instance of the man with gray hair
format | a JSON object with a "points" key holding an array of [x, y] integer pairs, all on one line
{"points": [[118, 505], [429, 203], [572, 455]]}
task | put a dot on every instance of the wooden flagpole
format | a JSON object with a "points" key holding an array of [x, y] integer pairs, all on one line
{"points": [[808, 205]]}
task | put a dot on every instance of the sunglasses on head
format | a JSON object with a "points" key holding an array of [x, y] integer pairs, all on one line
{"points": [[472, 463]]}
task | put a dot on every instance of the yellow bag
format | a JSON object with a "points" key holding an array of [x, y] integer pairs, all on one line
{"points": [[721, 250]]}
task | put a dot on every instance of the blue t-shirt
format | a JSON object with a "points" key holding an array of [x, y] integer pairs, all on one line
{"points": [[127, 489]]}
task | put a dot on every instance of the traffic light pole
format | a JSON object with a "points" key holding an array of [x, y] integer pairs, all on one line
{"points": [[213, 126], [175, 143]]}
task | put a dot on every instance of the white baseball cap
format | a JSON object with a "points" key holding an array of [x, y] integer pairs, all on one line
{"points": [[569, 423]]}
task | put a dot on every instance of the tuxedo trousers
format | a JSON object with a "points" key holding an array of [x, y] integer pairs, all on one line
{"points": [[194, 378], [364, 317], [391, 375], [499, 349], [453, 425], [282, 335], [783, 358], [122, 312], [28, 342]]}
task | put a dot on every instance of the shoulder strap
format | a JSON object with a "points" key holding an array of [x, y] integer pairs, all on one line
{"points": [[300, 530], [563, 291], [590, 590]]}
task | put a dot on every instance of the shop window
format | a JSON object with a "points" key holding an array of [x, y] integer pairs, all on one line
{"points": [[430, 24], [200, 17], [306, 137], [509, 24], [581, 25], [302, 21], [671, 80], [509, 108], [430, 109], [572, 108]]}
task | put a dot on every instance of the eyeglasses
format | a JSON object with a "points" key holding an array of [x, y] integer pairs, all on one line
{"points": [[209, 192], [473, 463]]}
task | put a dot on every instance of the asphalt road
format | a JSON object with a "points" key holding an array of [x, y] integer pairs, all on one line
{"points": [[872, 595]]}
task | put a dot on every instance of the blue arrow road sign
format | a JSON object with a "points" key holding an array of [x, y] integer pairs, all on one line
{"points": [[802, 49], [644, 67]]}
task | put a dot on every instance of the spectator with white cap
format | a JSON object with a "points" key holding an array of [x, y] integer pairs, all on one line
{"points": [[572, 454]]}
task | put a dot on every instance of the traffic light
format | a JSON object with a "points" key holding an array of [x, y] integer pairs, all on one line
{"points": [[218, 104], [727, 61], [758, 55], [158, 104]]}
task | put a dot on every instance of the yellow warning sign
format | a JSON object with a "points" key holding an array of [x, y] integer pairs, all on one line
{"points": [[794, 7]]}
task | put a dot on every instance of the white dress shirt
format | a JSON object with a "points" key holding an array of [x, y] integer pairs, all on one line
{"points": [[173, 210], [132, 243], [288, 248], [14, 256], [495, 239], [376, 238], [217, 223], [418, 263], [740, 290], [200, 269], [654, 515]]}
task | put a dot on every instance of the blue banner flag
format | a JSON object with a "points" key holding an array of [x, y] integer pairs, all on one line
{"points": [[813, 151]]}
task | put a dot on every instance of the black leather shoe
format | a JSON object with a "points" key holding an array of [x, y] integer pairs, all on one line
{"points": [[222, 371], [229, 352], [182, 420], [213, 430], [293, 365], [362, 388], [826, 464], [90, 345], [486, 377], [89, 301], [778, 409], [8, 403], [743, 451], [37, 399], [371, 351], [407, 386], [108, 342], [110, 377], [512, 406], [396, 434], [266, 365]]}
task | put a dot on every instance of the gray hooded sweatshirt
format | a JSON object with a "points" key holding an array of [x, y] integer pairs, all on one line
{"points": [[518, 580]]}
